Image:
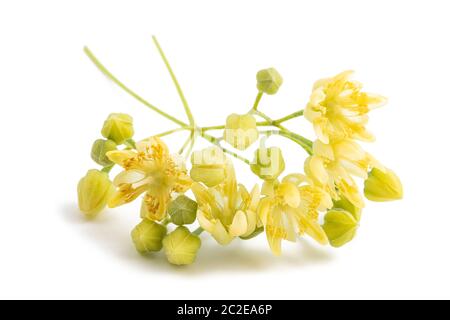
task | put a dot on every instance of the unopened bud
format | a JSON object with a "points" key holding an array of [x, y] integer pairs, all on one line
{"points": [[181, 246], [344, 204], [383, 186], [340, 227], [240, 131], [99, 150], [118, 127], [182, 210], [148, 235], [268, 81], [94, 191]]}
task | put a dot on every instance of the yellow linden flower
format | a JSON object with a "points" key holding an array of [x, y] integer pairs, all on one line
{"points": [[332, 166], [227, 211], [290, 208], [149, 169], [338, 109]]}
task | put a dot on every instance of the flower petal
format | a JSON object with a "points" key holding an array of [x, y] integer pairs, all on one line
{"points": [[120, 156], [314, 167], [323, 150], [295, 178], [125, 194], [252, 222], [220, 234], [313, 229], [289, 193], [128, 177], [239, 225], [204, 222]]}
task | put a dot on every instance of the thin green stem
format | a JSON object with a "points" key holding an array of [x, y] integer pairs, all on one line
{"points": [[300, 140], [269, 120], [130, 143], [198, 231], [216, 142], [264, 124], [261, 123], [185, 144], [166, 133], [175, 81], [257, 100], [107, 169], [191, 145], [290, 116], [307, 145], [108, 74], [218, 127], [166, 221], [268, 132], [264, 116]]}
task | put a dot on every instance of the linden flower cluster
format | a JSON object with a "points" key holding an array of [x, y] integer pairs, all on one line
{"points": [[322, 200]]}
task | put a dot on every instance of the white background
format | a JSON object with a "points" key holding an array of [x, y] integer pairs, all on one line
{"points": [[53, 102]]}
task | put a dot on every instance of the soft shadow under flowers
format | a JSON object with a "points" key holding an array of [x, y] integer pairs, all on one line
{"points": [[112, 232]]}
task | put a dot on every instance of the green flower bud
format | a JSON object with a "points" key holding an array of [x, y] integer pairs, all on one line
{"points": [[94, 191], [344, 204], [268, 81], [383, 186], [340, 227], [181, 246], [209, 166], [240, 131], [268, 163], [99, 150], [183, 210], [118, 127], [148, 235]]}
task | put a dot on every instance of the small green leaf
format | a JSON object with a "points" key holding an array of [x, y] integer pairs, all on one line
{"points": [[183, 210]]}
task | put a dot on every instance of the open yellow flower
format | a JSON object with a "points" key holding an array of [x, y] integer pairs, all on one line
{"points": [[338, 109], [149, 169], [227, 210], [332, 165], [290, 208]]}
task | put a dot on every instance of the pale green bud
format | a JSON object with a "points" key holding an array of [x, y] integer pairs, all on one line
{"points": [[94, 191], [209, 166], [344, 204], [99, 150], [268, 163], [340, 227], [148, 235], [268, 81], [118, 127], [240, 131], [181, 246], [383, 186], [182, 210]]}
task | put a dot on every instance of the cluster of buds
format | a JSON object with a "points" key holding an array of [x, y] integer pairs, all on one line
{"points": [[96, 189], [323, 202]]}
